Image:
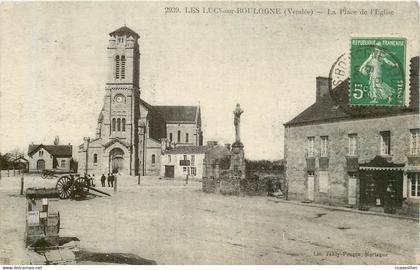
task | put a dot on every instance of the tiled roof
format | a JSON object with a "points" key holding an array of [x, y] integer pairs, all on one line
{"points": [[178, 113], [55, 150], [149, 107], [187, 150], [327, 109], [124, 31]]}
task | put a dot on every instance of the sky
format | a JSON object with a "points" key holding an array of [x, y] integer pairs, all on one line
{"points": [[53, 63]]}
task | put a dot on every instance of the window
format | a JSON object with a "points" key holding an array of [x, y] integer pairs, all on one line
{"points": [[123, 67], [352, 144], [118, 124], [153, 159], [385, 142], [192, 160], [117, 67], [185, 157], [323, 181], [95, 158], [113, 124], [41, 153], [169, 158], [414, 179], [179, 136], [193, 171], [324, 146], [415, 141], [63, 163], [310, 145], [123, 124], [186, 137], [170, 137]]}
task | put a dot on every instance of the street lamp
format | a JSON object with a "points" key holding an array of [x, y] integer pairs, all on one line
{"points": [[142, 128]]}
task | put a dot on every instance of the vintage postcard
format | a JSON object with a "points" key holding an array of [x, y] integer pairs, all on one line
{"points": [[209, 133]]}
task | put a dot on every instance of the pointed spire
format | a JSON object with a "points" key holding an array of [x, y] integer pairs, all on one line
{"points": [[124, 31]]}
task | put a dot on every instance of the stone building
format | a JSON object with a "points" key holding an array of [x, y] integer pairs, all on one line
{"points": [[50, 157], [349, 156], [181, 161], [131, 134]]}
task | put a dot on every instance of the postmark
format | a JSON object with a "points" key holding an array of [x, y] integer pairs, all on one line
{"points": [[377, 71]]}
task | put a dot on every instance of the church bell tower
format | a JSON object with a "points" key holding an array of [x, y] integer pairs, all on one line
{"points": [[122, 97]]}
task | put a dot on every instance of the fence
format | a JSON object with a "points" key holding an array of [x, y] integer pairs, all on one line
{"points": [[10, 173]]}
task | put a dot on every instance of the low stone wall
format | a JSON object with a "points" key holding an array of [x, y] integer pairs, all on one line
{"points": [[230, 185], [256, 183], [262, 182], [210, 185]]}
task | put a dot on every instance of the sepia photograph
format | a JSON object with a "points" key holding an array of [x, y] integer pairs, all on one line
{"points": [[209, 133]]}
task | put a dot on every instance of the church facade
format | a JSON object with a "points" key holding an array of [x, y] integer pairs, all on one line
{"points": [[132, 134]]}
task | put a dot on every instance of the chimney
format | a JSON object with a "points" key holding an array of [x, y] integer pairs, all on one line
{"points": [[227, 145], [322, 87]]}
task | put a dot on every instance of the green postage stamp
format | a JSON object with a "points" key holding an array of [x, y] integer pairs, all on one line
{"points": [[377, 71]]}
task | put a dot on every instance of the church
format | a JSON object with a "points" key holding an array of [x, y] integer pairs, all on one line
{"points": [[131, 134]]}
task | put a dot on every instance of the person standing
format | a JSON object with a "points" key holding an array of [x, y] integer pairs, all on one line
{"points": [[112, 179], [109, 179], [389, 206], [93, 180], [103, 178]]}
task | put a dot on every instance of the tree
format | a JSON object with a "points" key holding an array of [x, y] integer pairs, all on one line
{"points": [[16, 153]]}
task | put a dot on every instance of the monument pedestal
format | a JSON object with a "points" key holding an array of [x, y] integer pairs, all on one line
{"points": [[237, 160]]}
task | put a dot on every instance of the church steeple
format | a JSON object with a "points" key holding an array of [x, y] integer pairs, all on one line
{"points": [[124, 31], [123, 57]]}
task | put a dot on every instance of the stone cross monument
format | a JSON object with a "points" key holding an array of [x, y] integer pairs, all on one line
{"points": [[237, 161], [237, 121]]}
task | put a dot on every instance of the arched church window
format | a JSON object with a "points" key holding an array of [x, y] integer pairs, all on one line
{"points": [[153, 159], [179, 136], [186, 137], [118, 124], [123, 124], [117, 67], [95, 158], [113, 124], [123, 67]]}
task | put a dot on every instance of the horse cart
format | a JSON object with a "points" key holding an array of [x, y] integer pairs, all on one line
{"points": [[71, 186]]}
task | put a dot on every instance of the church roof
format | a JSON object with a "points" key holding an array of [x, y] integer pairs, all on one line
{"points": [[327, 109], [174, 114], [55, 150], [124, 31]]}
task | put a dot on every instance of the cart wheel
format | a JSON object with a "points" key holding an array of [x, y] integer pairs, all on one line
{"points": [[64, 187], [83, 183]]}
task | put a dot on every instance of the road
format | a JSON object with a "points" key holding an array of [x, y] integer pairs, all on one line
{"points": [[173, 223]]}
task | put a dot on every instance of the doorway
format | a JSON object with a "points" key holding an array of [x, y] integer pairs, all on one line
{"points": [[117, 160], [374, 184], [310, 190], [40, 165], [169, 171]]}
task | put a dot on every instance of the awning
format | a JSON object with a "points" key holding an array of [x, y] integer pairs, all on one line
{"points": [[381, 168], [412, 168]]}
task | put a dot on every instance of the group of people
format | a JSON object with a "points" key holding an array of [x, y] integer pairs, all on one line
{"points": [[110, 179]]}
